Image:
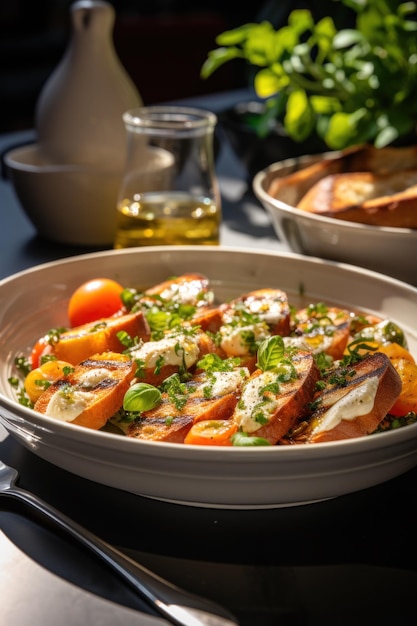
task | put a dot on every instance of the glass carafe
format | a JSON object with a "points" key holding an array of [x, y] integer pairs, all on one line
{"points": [[169, 193]]}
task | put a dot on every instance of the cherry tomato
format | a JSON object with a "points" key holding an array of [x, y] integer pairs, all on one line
{"points": [[94, 300], [211, 433], [41, 347], [41, 377]]}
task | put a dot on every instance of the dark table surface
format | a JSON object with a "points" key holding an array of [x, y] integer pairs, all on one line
{"points": [[350, 560]]}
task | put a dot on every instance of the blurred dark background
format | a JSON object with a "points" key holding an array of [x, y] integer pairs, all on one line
{"points": [[161, 43]]}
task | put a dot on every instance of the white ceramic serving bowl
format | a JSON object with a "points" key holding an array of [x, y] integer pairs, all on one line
{"points": [[70, 204], [34, 301], [383, 249]]}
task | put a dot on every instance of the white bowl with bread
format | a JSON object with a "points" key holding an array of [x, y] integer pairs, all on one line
{"points": [[356, 206], [36, 300]]}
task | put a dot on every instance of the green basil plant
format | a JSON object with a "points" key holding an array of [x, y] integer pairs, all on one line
{"points": [[349, 86]]}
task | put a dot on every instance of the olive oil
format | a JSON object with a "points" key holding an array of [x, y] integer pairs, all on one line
{"points": [[170, 218]]}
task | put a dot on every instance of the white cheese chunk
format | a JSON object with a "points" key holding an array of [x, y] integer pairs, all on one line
{"points": [[270, 310], [167, 350]]}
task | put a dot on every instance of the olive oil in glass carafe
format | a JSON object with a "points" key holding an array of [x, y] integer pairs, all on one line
{"points": [[169, 193]]}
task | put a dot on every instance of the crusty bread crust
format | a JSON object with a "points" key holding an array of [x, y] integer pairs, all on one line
{"points": [[364, 184], [366, 197]]}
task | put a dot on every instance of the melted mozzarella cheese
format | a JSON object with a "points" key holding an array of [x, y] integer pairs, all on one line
{"points": [[67, 407], [251, 397], [93, 377], [226, 382], [233, 338], [167, 350], [359, 401]]}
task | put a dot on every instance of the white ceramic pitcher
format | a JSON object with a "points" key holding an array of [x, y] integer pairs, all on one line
{"points": [[79, 111]]}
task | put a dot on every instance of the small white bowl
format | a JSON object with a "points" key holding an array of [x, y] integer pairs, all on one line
{"points": [[70, 204], [387, 250]]}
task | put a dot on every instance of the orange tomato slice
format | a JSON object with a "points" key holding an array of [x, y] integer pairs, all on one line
{"points": [[395, 352], [407, 401], [211, 433], [41, 377]]}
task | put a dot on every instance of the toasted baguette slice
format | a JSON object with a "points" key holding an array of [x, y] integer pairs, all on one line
{"points": [[80, 342], [366, 197], [268, 305], [172, 430], [205, 397], [356, 407], [208, 319], [251, 318], [91, 393], [271, 413], [187, 288], [321, 329], [191, 290], [295, 182]]}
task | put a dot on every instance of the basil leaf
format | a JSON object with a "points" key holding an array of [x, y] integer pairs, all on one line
{"points": [[141, 397], [242, 439], [270, 353]]}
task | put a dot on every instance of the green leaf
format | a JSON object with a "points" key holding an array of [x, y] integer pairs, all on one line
{"points": [[268, 83], [299, 119], [236, 36], [346, 38], [141, 397], [301, 20], [342, 130], [242, 439], [386, 136], [324, 105], [218, 57], [336, 84], [270, 353]]}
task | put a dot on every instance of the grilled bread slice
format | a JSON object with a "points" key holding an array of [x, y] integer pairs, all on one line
{"points": [[204, 397], [91, 393], [375, 186], [366, 197], [270, 403], [79, 343], [251, 318], [187, 290], [354, 401], [321, 328], [190, 289]]}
